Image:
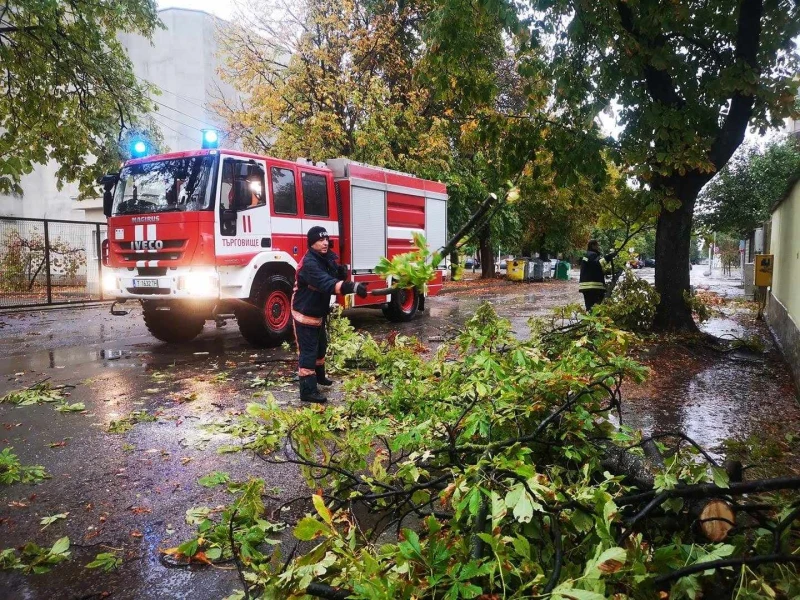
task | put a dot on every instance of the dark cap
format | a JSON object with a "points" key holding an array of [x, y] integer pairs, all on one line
{"points": [[316, 234]]}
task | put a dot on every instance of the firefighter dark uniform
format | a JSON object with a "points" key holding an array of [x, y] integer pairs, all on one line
{"points": [[593, 280], [318, 277]]}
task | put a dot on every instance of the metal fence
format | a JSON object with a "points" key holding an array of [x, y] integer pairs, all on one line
{"points": [[50, 261]]}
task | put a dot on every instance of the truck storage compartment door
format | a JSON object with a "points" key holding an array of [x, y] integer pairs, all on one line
{"points": [[368, 210], [435, 223]]}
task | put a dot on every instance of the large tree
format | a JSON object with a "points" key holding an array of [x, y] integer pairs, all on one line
{"points": [[326, 78], [67, 88], [687, 76]]}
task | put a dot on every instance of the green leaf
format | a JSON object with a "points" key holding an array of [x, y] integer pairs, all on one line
{"points": [[522, 546], [47, 521], [213, 479], [566, 592], [214, 553], [610, 561], [720, 477], [108, 561], [322, 510], [77, 407], [196, 515], [61, 546], [189, 548], [308, 528]]}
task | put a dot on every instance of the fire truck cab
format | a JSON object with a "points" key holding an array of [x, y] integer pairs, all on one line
{"points": [[214, 234]]}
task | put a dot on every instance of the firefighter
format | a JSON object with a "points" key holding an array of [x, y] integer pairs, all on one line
{"points": [[318, 277], [593, 279]]}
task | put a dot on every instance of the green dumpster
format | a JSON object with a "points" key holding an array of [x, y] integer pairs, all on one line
{"points": [[562, 270]]}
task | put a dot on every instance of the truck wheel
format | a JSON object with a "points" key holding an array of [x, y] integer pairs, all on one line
{"points": [[403, 305], [268, 320], [174, 325]]}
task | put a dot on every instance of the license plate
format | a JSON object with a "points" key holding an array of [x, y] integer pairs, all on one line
{"points": [[145, 283]]}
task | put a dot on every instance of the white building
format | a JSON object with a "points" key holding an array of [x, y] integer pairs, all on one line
{"points": [[182, 62]]}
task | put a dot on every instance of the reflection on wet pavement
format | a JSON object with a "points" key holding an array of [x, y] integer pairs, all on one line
{"points": [[711, 396]]}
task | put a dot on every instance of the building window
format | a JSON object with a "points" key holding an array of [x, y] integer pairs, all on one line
{"points": [[315, 195], [284, 192]]}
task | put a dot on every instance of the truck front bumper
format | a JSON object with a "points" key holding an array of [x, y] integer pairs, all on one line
{"points": [[181, 284]]}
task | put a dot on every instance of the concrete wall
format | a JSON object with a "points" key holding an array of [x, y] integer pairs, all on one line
{"points": [[182, 62], [783, 313], [42, 198]]}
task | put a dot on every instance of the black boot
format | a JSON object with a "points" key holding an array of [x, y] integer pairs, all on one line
{"points": [[321, 379], [309, 391]]}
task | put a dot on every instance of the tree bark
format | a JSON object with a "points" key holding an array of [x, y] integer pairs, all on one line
{"points": [[673, 241], [487, 255]]}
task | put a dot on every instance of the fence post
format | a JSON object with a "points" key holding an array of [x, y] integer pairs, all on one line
{"points": [[47, 262], [99, 260]]}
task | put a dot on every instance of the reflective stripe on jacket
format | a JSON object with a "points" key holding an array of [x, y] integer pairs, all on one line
{"points": [[592, 276]]}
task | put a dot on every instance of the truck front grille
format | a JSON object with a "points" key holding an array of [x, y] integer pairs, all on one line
{"points": [[149, 291]]}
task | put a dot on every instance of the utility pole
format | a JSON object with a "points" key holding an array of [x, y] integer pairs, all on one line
{"points": [[711, 256]]}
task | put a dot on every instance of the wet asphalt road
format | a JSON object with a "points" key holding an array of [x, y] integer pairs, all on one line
{"points": [[131, 491]]}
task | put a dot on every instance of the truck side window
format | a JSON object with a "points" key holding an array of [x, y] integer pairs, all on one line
{"points": [[284, 192], [226, 187], [242, 185], [315, 195]]}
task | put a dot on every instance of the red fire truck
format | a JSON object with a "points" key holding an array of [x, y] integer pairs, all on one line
{"points": [[215, 234]]}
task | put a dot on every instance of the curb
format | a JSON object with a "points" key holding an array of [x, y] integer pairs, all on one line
{"points": [[49, 307]]}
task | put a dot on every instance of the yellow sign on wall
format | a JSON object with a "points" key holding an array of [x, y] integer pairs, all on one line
{"points": [[763, 269]]}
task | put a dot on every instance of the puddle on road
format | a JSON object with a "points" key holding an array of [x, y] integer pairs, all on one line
{"points": [[725, 396]]}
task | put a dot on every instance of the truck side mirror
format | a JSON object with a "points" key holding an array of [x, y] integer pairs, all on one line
{"points": [[108, 201], [109, 180]]}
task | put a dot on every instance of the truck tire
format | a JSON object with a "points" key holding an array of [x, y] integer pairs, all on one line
{"points": [[267, 321], [403, 305], [174, 325]]}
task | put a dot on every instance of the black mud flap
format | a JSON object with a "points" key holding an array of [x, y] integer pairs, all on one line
{"points": [[118, 312]]}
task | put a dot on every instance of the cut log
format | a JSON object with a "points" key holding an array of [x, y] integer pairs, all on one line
{"points": [[716, 520], [715, 516]]}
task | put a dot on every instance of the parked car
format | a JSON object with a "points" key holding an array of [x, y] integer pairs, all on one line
{"points": [[649, 262], [469, 263]]}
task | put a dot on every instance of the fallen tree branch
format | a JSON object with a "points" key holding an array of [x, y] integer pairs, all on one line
{"points": [[705, 490], [327, 592], [726, 562]]}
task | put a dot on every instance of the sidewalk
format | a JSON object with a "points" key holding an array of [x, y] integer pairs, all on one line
{"points": [[727, 286], [721, 399]]}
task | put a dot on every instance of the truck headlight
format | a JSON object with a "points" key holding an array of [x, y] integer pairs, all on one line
{"points": [[110, 282], [198, 284]]}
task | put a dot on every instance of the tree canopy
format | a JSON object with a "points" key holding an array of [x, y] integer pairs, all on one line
{"points": [[327, 78], [740, 196], [481, 94], [688, 78], [69, 88]]}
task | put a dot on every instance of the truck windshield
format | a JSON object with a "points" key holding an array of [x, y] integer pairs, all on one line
{"points": [[165, 186]]}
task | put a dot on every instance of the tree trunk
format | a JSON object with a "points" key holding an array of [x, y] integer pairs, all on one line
{"points": [[673, 240], [487, 255]]}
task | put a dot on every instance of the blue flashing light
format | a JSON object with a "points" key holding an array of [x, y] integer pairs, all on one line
{"points": [[210, 138], [139, 149]]}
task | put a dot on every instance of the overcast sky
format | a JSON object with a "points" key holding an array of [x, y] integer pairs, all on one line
{"points": [[221, 8], [224, 9]]}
